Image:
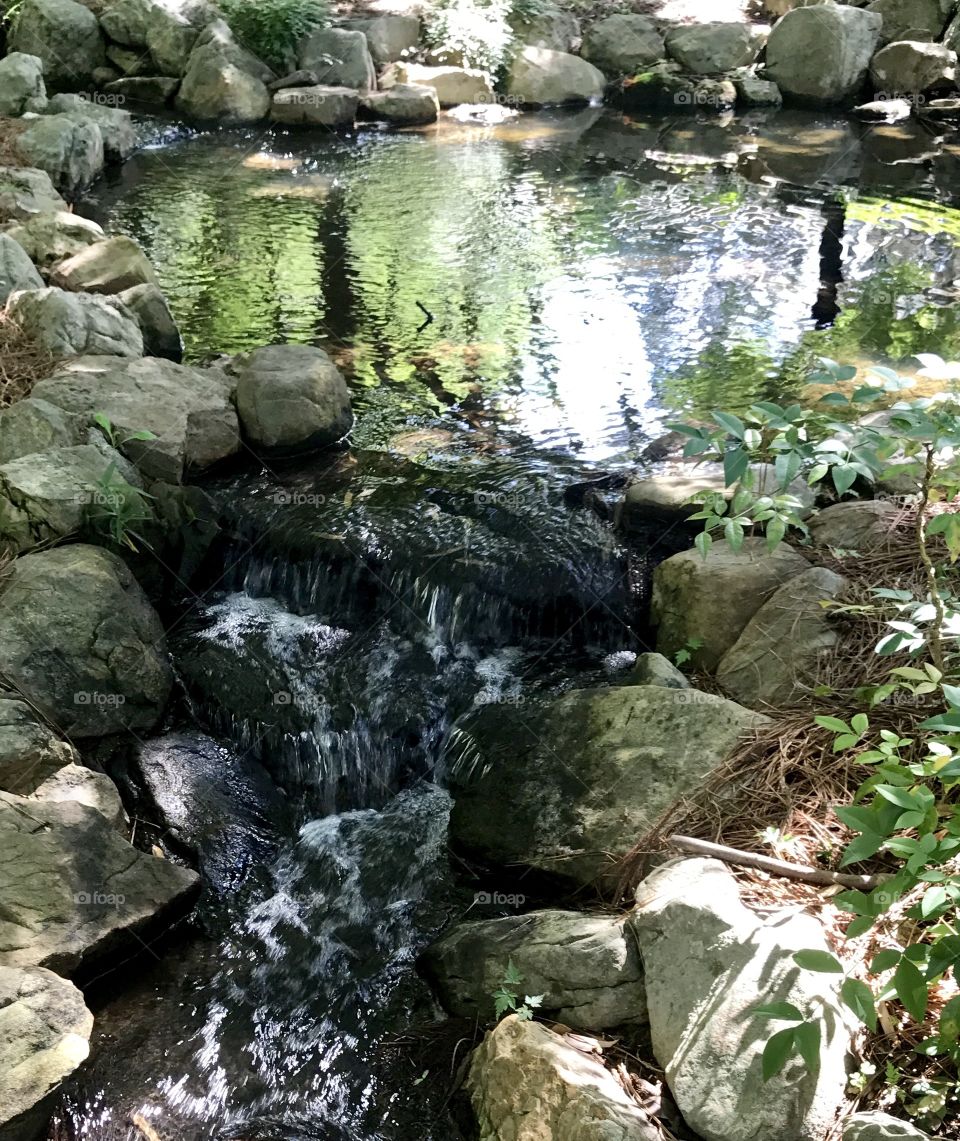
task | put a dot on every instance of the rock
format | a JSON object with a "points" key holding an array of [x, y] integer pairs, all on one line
{"points": [[821, 55], [25, 193], [527, 1083], [857, 525], [105, 75], [109, 266], [942, 108], [687, 591], [21, 84], [169, 31], [623, 44], [75, 890], [585, 966], [545, 27], [49, 238], [911, 67], [81, 785], [655, 669], [539, 77], [154, 90], [910, 19], [127, 62], [301, 78], [880, 1127], [403, 103], [567, 786], [453, 85], [315, 106], [389, 38], [82, 643], [161, 336], [116, 126], [291, 398], [339, 57], [46, 496], [188, 410], [951, 37], [754, 92], [712, 47], [17, 271], [29, 750], [76, 324], [65, 36], [775, 660], [45, 1030], [709, 963], [71, 152], [718, 94], [224, 82], [884, 110], [32, 425]]}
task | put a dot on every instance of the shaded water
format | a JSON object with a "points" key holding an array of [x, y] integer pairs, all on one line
{"points": [[587, 274]]}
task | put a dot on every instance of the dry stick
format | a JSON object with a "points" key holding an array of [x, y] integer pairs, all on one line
{"points": [[140, 1123], [775, 867]]}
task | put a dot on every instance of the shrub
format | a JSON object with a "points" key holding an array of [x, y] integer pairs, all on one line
{"points": [[271, 29], [478, 30]]}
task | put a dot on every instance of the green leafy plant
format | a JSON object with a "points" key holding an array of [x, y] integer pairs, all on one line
{"points": [[271, 29], [506, 998], [114, 439], [116, 508], [686, 652]]}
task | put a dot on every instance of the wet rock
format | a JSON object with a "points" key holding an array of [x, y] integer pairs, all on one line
{"points": [[775, 660], [585, 966], [567, 786], [188, 410], [65, 36], [526, 1082], [453, 85], [29, 750], [76, 324], [389, 38], [712, 47], [301, 78], [880, 1127], [655, 669], [17, 271], [821, 54], [709, 962], [712, 600], [623, 44], [223, 81], [81, 642], [755, 92], [84, 786], [70, 151], [717, 94], [21, 84], [403, 103], [339, 58], [25, 192], [910, 19], [161, 335], [315, 106], [540, 77], [912, 67], [45, 1030], [109, 266], [858, 525], [154, 90], [51, 237], [116, 126], [76, 890], [661, 87], [547, 27], [942, 108], [291, 398], [884, 110]]}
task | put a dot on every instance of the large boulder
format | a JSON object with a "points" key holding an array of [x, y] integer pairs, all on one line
{"points": [[169, 31], [911, 19], [116, 125], [775, 660], [527, 1083], [546, 26], [856, 525], [389, 37], [76, 324], [875, 1126], [17, 271], [569, 785], [453, 85], [539, 77], [75, 890], [25, 193], [912, 67], [109, 266], [821, 55], [339, 57], [710, 601], [21, 84], [404, 103], [31, 425], [623, 44], [80, 641], [585, 966], [45, 1030], [77, 783], [161, 334], [30, 751], [709, 963], [187, 410], [54, 236], [291, 398], [712, 47], [152, 90], [223, 81], [66, 36], [68, 149], [318, 106]]}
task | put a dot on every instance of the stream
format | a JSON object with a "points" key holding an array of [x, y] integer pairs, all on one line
{"points": [[587, 277]]}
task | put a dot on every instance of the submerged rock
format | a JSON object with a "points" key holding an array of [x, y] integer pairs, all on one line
{"points": [[109, 266], [21, 84], [76, 324], [539, 77], [65, 35]]}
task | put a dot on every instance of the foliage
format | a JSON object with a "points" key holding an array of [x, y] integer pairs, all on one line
{"points": [[116, 508], [506, 998], [271, 29], [686, 652], [479, 31]]}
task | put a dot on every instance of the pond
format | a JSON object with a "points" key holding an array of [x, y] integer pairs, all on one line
{"points": [[519, 308]]}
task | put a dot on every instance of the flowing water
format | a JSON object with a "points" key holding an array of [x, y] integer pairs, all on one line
{"points": [[518, 309]]}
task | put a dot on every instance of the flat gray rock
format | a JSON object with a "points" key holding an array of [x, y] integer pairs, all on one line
{"points": [[76, 324]]}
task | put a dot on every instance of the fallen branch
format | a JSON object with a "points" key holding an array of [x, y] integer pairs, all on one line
{"points": [[139, 1122], [773, 866]]}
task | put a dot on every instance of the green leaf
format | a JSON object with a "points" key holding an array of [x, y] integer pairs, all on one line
{"points": [[860, 999], [950, 1023], [807, 1041], [833, 723], [777, 1052], [862, 848], [733, 424], [783, 1010], [735, 466], [884, 960], [512, 976], [703, 542], [776, 530], [933, 900], [902, 797], [822, 961], [952, 694], [911, 988], [844, 477]]}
